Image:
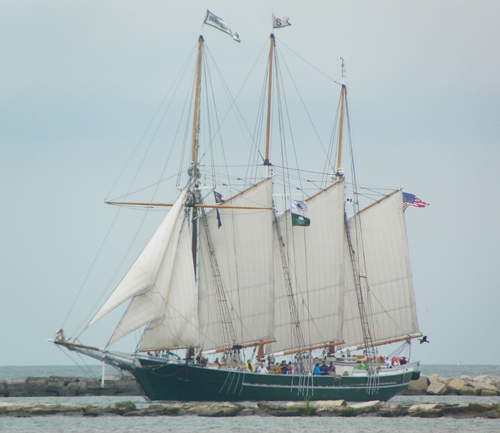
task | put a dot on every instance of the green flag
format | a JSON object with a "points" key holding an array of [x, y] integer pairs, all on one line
{"points": [[299, 220]]}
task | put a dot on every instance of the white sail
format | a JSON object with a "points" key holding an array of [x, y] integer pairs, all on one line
{"points": [[315, 265], [178, 327], [389, 302], [144, 272], [242, 284], [150, 305]]}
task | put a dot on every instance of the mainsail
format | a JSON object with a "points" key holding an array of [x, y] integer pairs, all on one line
{"points": [[378, 235], [314, 264], [235, 270]]}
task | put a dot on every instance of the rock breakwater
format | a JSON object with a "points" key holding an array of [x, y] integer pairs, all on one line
{"points": [[55, 386], [464, 385], [337, 408]]}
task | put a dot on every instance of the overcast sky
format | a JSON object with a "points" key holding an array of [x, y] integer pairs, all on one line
{"points": [[80, 82]]}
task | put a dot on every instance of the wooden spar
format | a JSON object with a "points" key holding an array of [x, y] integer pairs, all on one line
{"points": [[193, 169], [70, 346], [307, 349], [260, 351], [269, 88], [169, 349], [243, 346], [378, 201], [393, 340], [196, 114], [214, 206], [341, 125]]}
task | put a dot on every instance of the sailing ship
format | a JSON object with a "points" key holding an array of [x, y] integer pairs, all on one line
{"points": [[239, 279]]}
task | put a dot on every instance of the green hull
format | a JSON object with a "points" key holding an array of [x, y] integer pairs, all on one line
{"points": [[187, 382]]}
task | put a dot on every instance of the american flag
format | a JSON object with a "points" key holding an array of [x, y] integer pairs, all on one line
{"points": [[411, 200]]}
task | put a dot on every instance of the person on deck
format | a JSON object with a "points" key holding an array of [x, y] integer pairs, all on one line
{"points": [[324, 368], [317, 371], [331, 368], [250, 366], [277, 369], [262, 369], [284, 367]]}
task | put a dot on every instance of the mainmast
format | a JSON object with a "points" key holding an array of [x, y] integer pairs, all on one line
{"points": [[297, 333]]}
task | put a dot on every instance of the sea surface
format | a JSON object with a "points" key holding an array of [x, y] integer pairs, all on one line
{"points": [[240, 424]]}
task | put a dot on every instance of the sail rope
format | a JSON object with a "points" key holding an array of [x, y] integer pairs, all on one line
{"points": [[85, 367], [310, 64], [304, 106], [226, 322], [359, 274]]}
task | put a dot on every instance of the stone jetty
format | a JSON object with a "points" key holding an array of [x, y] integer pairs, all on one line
{"points": [[337, 408], [127, 386], [464, 385], [55, 386]]}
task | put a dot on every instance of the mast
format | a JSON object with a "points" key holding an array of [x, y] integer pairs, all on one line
{"points": [[193, 169], [340, 170], [357, 257], [269, 89]]}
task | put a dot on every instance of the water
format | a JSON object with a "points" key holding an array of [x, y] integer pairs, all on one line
{"points": [[111, 424], [21, 372], [456, 370]]}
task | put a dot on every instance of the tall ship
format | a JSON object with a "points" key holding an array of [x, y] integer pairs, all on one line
{"points": [[226, 285]]}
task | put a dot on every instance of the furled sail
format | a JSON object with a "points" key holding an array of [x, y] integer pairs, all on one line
{"points": [[235, 270], [315, 266], [156, 260], [378, 235]]}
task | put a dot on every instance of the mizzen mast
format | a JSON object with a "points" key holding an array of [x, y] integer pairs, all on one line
{"points": [[339, 169]]}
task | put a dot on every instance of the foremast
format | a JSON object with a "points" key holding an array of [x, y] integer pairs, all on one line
{"points": [[193, 171], [200, 215]]}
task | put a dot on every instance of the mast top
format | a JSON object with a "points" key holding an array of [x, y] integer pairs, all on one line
{"points": [[269, 91], [193, 168], [340, 173]]}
